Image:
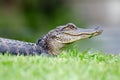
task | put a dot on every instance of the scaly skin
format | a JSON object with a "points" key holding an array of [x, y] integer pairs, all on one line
{"points": [[49, 44], [18, 47]]}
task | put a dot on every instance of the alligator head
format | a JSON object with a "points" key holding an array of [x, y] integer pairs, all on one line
{"points": [[69, 33]]}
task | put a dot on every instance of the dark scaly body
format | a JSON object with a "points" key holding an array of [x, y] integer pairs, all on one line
{"points": [[16, 47], [49, 44]]}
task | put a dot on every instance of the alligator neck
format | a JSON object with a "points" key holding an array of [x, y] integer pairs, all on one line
{"points": [[49, 45]]}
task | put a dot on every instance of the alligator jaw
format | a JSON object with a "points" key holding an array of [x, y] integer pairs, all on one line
{"points": [[79, 33]]}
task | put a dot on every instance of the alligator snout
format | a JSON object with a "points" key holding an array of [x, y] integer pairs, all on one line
{"points": [[98, 31]]}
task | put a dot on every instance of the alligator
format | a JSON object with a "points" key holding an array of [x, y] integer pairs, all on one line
{"points": [[49, 44]]}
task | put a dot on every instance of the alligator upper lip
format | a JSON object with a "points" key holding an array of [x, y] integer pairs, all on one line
{"points": [[86, 32]]}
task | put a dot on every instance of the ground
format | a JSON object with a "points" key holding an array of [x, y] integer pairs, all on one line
{"points": [[71, 65]]}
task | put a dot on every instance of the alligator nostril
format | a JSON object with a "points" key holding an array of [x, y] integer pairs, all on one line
{"points": [[97, 28]]}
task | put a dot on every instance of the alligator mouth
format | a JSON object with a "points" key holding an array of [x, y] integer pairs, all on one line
{"points": [[79, 32]]}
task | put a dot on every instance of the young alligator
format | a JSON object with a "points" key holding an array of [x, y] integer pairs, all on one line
{"points": [[51, 43]]}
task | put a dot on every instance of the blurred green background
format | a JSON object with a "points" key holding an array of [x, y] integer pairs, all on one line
{"points": [[27, 20]]}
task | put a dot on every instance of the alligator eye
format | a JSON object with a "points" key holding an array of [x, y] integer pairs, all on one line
{"points": [[69, 27]]}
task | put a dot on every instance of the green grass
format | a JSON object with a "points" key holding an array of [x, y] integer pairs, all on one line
{"points": [[71, 65]]}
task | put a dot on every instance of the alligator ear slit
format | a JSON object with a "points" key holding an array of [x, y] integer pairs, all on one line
{"points": [[37, 42]]}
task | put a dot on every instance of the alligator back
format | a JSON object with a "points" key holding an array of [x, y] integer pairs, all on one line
{"points": [[16, 47]]}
